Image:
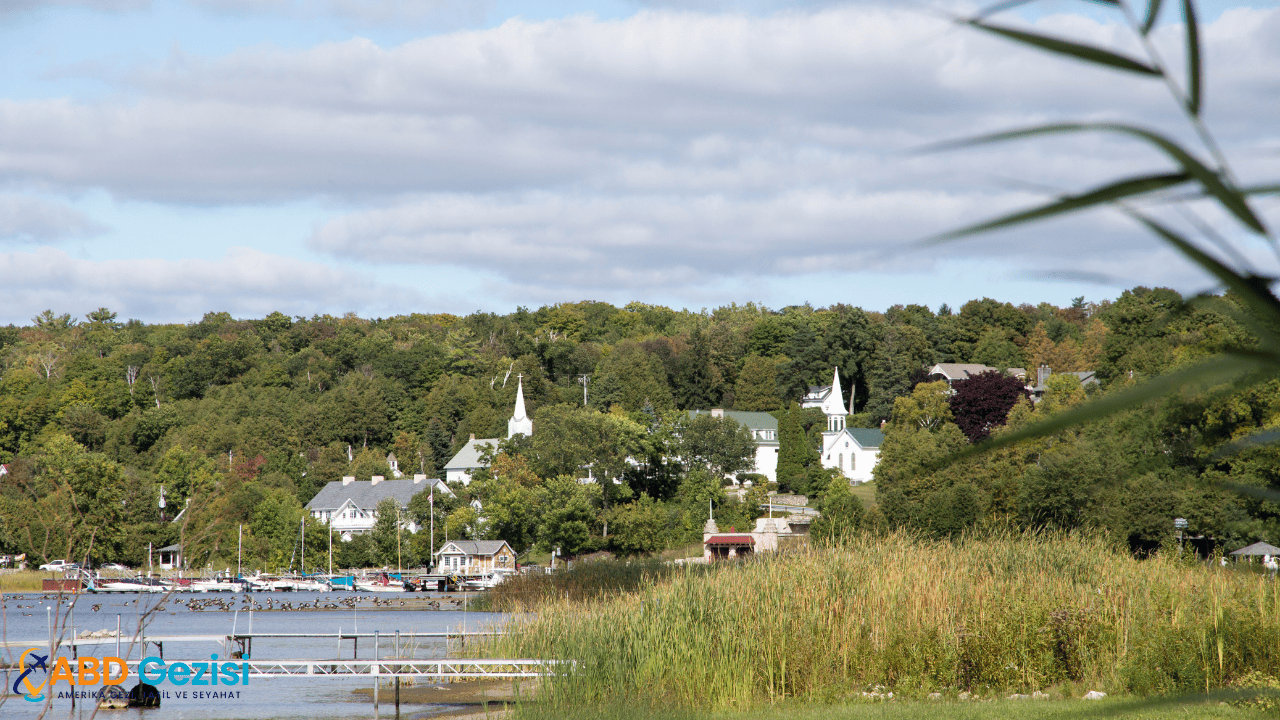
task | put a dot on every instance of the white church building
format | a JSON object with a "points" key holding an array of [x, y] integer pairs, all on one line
{"points": [[470, 457], [852, 451]]}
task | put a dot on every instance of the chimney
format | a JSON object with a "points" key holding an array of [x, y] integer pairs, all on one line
{"points": [[418, 478], [883, 423], [347, 480], [377, 479], [1042, 375], [473, 436], [717, 412]]}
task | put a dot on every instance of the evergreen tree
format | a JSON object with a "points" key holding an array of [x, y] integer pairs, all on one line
{"points": [[794, 452], [694, 388]]}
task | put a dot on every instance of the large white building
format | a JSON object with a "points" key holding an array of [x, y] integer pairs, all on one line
{"points": [[852, 451], [471, 457], [350, 506], [764, 430]]}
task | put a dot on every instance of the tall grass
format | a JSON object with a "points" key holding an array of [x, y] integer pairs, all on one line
{"points": [[585, 581], [1012, 613]]}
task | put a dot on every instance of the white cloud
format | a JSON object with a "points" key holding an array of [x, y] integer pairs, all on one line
{"points": [[446, 13], [31, 220], [244, 282], [650, 152]]}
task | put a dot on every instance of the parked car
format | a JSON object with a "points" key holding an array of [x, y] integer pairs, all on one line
{"points": [[60, 566], [114, 566]]}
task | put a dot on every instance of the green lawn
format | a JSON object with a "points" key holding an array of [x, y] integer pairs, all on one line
{"points": [[866, 492]]}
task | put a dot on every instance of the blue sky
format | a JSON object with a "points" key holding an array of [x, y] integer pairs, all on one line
{"points": [[168, 158]]}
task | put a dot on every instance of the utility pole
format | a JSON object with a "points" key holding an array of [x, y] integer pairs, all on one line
{"points": [[584, 379]]}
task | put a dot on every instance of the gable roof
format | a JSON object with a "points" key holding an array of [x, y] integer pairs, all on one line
{"points": [[1258, 548], [477, 547], [469, 456], [867, 437], [752, 420], [364, 494]]}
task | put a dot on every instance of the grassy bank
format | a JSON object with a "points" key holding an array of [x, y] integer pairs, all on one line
{"points": [[999, 710], [21, 581], [1012, 614], [587, 581]]}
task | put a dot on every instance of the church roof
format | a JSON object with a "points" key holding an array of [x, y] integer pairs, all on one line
{"points": [[833, 403], [867, 437], [469, 456]]}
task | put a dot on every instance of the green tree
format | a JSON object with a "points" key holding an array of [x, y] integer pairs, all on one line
{"points": [[719, 445], [841, 512], [755, 387], [794, 451], [390, 535]]}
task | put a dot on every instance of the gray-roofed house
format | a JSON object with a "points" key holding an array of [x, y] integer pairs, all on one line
{"points": [[475, 556], [1086, 378], [350, 506], [764, 430], [954, 372]]}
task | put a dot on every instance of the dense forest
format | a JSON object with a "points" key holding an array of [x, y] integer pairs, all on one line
{"points": [[242, 421]]}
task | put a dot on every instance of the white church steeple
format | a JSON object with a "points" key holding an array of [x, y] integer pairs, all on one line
{"points": [[519, 424], [833, 405]]}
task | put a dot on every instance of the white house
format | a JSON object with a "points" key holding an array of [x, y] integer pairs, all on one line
{"points": [[469, 458], [852, 451], [350, 506], [764, 430]]}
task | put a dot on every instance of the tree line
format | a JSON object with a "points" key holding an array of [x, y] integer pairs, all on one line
{"points": [[242, 421]]}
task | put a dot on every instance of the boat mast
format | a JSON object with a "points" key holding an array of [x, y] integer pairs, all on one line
{"points": [[239, 549]]}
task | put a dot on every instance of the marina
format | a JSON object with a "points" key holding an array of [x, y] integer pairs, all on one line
{"points": [[317, 663]]}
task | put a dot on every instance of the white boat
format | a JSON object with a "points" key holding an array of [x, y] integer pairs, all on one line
{"points": [[384, 583], [128, 585], [485, 582], [215, 585], [296, 584]]}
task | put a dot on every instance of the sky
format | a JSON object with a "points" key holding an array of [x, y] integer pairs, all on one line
{"points": [[170, 158]]}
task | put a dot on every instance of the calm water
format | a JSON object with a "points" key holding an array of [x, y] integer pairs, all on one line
{"points": [[27, 617]]}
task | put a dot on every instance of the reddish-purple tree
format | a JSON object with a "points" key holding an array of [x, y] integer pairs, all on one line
{"points": [[983, 402]]}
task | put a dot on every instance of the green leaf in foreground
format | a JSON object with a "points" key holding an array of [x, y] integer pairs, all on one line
{"points": [[1256, 297], [1080, 51], [1111, 192], [1227, 371], [1153, 11], [1229, 197], [1193, 58]]}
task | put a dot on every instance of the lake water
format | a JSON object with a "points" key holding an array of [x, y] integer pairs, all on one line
{"points": [[27, 618]]}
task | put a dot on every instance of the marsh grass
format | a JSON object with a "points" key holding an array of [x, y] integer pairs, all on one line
{"points": [[23, 581], [585, 581], [1013, 613], [999, 710]]}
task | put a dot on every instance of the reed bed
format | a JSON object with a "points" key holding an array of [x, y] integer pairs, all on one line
{"points": [[586, 581], [21, 581], [1014, 613]]}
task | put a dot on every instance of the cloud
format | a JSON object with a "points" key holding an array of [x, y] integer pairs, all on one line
{"points": [[18, 6], [655, 151], [31, 220], [244, 282]]}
